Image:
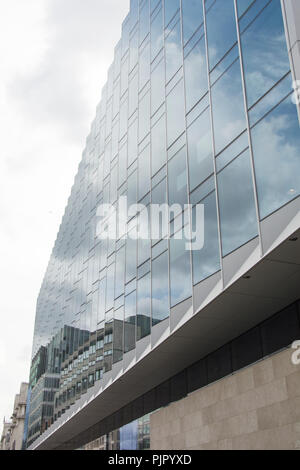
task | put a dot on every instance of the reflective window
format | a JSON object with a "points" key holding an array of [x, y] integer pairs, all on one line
{"points": [[221, 30], [132, 142], [157, 86], [120, 272], [133, 94], [276, 144], [206, 260], [144, 173], [228, 107], [158, 141], [200, 149], [173, 51], [263, 40], [180, 271], [130, 322], [237, 205], [160, 288], [144, 68], [192, 17], [175, 117], [144, 21], [134, 50], [171, 6], [144, 117], [131, 259], [157, 29], [143, 307], [177, 179]]}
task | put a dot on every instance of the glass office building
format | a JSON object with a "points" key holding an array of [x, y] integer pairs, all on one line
{"points": [[198, 109]]}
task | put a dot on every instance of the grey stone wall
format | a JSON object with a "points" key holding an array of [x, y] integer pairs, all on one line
{"points": [[256, 408]]}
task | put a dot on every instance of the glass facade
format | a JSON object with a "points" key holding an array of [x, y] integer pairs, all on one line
{"points": [[196, 110]]}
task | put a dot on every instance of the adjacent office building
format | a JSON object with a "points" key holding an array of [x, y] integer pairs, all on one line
{"points": [[161, 345]]}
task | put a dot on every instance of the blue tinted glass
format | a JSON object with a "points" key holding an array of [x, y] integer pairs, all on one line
{"points": [[157, 86], [157, 31], [237, 204], [192, 17], [144, 68], [134, 13], [200, 150], [180, 271], [242, 6], [160, 289], [276, 144], [195, 68], [144, 21], [264, 65], [120, 272], [144, 173], [171, 6], [177, 179], [144, 116], [221, 30], [206, 261], [228, 107], [158, 142], [130, 322], [173, 51], [143, 307]]}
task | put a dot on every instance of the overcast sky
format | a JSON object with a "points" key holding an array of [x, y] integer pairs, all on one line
{"points": [[54, 56]]}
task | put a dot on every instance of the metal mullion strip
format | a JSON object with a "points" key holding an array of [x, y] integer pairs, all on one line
{"points": [[213, 147], [248, 129]]}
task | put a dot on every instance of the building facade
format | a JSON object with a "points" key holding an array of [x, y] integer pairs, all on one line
{"points": [[199, 118], [13, 431]]}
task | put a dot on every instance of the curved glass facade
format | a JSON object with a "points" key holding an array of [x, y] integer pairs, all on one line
{"points": [[196, 109]]}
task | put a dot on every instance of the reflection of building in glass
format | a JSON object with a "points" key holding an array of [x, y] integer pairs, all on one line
{"points": [[197, 109]]}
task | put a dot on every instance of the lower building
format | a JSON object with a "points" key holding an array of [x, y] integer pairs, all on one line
{"points": [[13, 432]]}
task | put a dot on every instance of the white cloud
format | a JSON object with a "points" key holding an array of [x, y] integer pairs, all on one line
{"points": [[54, 60]]}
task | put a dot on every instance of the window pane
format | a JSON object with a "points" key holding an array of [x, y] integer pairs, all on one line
{"points": [[144, 116], [192, 17], [157, 86], [173, 51], [171, 6], [143, 307], [131, 259], [200, 150], [158, 142], [144, 21], [160, 289], [237, 205], [132, 142], [207, 260], [175, 113], [228, 107], [195, 74], [221, 30], [177, 180], [180, 271], [157, 34], [276, 144], [144, 173], [130, 320], [265, 54], [120, 272], [144, 66]]}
